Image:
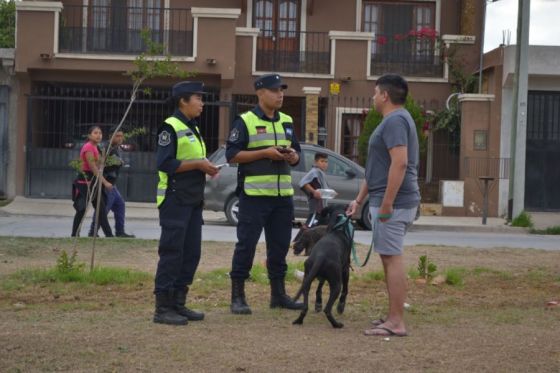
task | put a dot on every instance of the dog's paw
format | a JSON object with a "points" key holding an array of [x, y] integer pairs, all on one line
{"points": [[340, 307], [318, 307], [337, 325], [297, 322]]}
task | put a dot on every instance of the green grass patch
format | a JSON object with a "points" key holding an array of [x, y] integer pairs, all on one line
{"points": [[372, 276], [555, 230], [455, 276], [99, 276], [482, 271], [524, 220], [218, 277], [413, 273], [259, 274]]}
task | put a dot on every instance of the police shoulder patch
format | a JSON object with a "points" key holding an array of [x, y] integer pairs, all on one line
{"points": [[234, 135], [164, 138]]}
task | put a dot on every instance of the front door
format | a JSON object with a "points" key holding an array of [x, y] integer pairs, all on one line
{"points": [[542, 173], [278, 44]]}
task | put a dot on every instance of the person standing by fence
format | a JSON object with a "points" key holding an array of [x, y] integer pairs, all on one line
{"points": [[89, 175], [115, 201]]}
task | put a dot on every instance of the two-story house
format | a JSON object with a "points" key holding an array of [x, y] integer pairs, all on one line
{"points": [[71, 57]]}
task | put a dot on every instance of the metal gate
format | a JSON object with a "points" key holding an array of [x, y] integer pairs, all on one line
{"points": [[60, 114], [4, 133], [542, 170]]}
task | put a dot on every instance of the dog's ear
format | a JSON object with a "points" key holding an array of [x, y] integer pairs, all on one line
{"points": [[298, 235], [332, 221]]}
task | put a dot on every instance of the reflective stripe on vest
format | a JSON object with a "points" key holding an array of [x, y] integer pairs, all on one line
{"points": [[189, 148], [258, 180]]}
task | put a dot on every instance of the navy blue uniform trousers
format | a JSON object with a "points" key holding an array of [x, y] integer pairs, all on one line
{"points": [[179, 244], [275, 215]]}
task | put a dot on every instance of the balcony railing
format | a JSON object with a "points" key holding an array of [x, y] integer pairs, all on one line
{"points": [[294, 51], [405, 55], [118, 30]]}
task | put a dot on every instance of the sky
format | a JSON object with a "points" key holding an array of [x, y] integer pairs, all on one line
{"points": [[544, 26]]}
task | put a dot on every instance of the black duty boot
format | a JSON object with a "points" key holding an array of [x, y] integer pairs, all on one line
{"points": [[239, 305], [279, 298], [165, 310], [180, 300]]}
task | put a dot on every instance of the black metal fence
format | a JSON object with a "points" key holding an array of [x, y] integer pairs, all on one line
{"points": [[496, 168], [294, 51], [406, 56], [117, 29], [60, 115]]}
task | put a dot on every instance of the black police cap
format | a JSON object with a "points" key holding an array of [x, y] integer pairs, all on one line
{"points": [[185, 87], [269, 81]]}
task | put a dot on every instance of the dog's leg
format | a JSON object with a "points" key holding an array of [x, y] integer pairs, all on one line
{"points": [[299, 320], [342, 300], [319, 296], [305, 287], [334, 284]]}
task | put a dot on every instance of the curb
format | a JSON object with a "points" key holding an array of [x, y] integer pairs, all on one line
{"points": [[468, 228]]}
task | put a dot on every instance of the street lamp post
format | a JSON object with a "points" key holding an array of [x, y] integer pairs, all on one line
{"points": [[518, 145]]}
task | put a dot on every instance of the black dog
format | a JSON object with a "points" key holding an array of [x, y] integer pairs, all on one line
{"points": [[322, 219], [307, 238], [329, 261]]}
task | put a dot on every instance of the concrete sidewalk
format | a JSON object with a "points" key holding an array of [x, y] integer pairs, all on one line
{"points": [[135, 210]]}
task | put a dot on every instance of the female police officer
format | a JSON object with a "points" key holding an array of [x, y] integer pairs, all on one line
{"points": [[182, 166]]}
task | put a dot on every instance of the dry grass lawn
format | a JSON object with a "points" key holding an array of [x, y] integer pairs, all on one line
{"points": [[496, 321]]}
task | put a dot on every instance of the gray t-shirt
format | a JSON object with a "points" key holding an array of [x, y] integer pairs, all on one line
{"points": [[396, 129], [317, 178]]}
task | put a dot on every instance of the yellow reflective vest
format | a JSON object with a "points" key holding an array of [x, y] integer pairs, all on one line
{"points": [[190, 184], [265, 177]]}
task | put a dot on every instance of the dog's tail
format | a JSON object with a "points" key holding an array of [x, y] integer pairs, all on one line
{"points": [[308, 279]]}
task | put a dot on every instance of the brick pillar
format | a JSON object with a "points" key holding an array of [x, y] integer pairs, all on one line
{"points": [[479, 156], [311, 113]]}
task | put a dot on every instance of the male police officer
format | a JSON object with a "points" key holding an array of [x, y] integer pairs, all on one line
{"points": [[263, 142], [182, 165]]}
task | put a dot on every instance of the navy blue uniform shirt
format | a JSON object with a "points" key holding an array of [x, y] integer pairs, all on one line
{"points": [[239, 136], [167, 144]]}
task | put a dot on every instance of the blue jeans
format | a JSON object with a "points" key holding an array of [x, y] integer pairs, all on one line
{"points": [[115, 203]]}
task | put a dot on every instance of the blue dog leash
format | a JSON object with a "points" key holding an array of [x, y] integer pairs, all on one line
{"points": [[349, 230]]}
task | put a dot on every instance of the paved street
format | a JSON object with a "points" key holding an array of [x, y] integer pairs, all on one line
{"points": [[49, 226]]}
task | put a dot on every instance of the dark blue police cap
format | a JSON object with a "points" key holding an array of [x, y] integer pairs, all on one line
{"points": [[269, 81], [185, 87]]}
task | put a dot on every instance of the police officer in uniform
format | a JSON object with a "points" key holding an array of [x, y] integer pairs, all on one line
{"points": [[262, 141], [182, 166]]}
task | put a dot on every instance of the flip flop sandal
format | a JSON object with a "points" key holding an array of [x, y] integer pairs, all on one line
{"points": [[378, 322], [385, 332]]}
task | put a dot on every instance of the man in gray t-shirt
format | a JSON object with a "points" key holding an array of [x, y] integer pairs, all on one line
{"points": [[392, 184], [396, 129]]}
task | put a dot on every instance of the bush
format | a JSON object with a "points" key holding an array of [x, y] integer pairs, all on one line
{"points": [[426, 268], [523, 220], [373, 119], [454, 276]]}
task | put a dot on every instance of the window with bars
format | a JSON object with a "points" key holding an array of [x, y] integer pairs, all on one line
{"points": [[405, 36]]}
